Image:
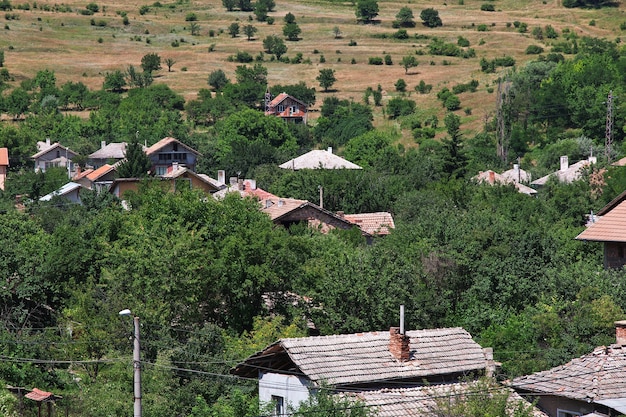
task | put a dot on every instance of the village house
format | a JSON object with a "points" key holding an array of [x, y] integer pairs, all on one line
{"points": [[609, 227], [372, 365], [493, 178], [99, 179], [567, 173], [593, 384], [53, 155], [169, 151], [70, 191], [287, 107], [4, 166], [107, 154]]}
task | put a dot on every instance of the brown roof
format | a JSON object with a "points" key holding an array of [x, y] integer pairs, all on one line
{"points": [[282, 97], [611, 227], [38, 395], [379, 223], [4, 156], [166, 141], [361, 358], [597, 376]]}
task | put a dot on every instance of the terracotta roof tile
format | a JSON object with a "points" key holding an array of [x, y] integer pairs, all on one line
{"points": [[373, 223], [166, 141], [104, 169], [38, 395], [611, 227]]}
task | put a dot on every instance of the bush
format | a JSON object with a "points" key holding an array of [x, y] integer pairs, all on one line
{"points": [[191, 17], [388, 60], [487, 7], [352, 43], [423, 88], [534, 50], [463, 42], [482, 28], [375, 60], [401, 34], [144, 9], [243, 57], [397, 107]]}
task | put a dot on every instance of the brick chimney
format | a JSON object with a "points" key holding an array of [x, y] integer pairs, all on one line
{"points": [[620, 332], [399, 344]]}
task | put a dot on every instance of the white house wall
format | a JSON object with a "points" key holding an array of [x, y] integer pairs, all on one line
{"points": [[292, 389]]}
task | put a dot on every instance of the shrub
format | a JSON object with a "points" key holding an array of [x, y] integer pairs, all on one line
{"points": [[401, 34], [423, 88], [388, 60], [243, 57], [191, 17], [487, 7], [397, 107], [375, 60], [463, 42], [144, 9], [534, 50], [352, 43], [482, 28]]}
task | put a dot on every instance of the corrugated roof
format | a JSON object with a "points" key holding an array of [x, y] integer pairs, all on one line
{"points": [[611, 227], [600, 375], [379, 223], [365, 357], [116, 150], [4, 156], [66, 189], [319, 159]]}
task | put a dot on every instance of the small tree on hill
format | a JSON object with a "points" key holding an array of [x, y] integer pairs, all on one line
{"points": [[407, 62], [233, 29], [366, 10], [404, 18], [170, 63], [151, 62], [274, 45], [249, 30], [229, 4], [326, 78], [217, 79], [430, 18], [137, 164]]}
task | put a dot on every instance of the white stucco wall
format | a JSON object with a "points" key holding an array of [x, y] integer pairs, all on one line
{"points": [[293, 389]]}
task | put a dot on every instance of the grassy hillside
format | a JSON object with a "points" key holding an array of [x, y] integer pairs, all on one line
{"points": [[68, 43]]}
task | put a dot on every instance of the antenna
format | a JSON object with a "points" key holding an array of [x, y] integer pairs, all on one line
{"points": [[608, 141], [319, 187], [402, 319]]}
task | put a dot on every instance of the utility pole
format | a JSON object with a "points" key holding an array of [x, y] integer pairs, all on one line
{"points": [[608, 141]]}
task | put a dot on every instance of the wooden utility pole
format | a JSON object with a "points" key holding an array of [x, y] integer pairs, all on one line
{"points": [[608, 141]]}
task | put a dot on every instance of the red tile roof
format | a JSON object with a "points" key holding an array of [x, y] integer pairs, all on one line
{"points": [[166, 141], [38, 395], [104, 169], [611, 227], [373, 223]]}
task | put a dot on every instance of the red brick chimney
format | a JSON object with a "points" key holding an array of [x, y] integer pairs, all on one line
{"points": [[620, 332], [399, 344]]}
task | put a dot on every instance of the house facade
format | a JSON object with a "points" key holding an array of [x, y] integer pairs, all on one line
{"points": [[591, 384], [290, 370], [168, 152], [53, 155], [287, 107]]}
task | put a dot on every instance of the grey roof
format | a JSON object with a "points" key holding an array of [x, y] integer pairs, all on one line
{"points": [[364, 357], [571, 173], [64, 190], [424, 401], [600, 375], [115, 150], [319, 159]]}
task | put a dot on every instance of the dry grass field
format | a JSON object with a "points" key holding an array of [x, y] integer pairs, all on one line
{"points": [[68, 44]]}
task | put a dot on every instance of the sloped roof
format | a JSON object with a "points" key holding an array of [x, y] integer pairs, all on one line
{"points": [[282, 97], [4, 156], [184, 171], [600, 375], [64, 190], [116, 150], [82, 174], [516, 175], [166, 141], [361, 358], [319, 159], [379, 223], [103, 170], [611, 227], [492, 178], [38, 395], [422, 401], [277, 208], [572, 173], [53, 147]]}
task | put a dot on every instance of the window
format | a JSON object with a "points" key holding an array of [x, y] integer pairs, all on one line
{"points": [[161, 170], [566, 413], [279, 405], [281, 108], [294, 109], [175, 146]]}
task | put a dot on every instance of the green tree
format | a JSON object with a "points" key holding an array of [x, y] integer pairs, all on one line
{"points": [[194, 29], [229, 4], [408, 61], [245, 5], [455, 161], [430, 18], [337, 32], [404, 18], [17, 102], [1, 58], [233, 29], [151, 62], [170, 63], [274, 45], [366, 10], [139, 79], [218, 79], [136, 163], [291, 30], [249, 30], [400, 85], [326, 78]]}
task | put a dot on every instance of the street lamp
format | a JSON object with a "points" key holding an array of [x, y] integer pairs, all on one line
{"points": [[136, 364]]}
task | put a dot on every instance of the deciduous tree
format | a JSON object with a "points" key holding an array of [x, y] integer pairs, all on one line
{"points": [[151, 62], [326, 78], [408, 61], [430, 17], [366, 10]]}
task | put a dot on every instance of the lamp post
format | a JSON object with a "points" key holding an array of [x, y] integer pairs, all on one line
{"points": [[136, 365]]}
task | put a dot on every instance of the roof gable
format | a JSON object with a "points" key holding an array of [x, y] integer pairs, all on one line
{"points": [[611, 227], [282, 97], [103, 170], [56, 146], [363, 358], [166, 141]]}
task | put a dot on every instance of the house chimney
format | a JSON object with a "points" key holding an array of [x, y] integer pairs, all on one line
{"points": [[221, 176], [47, 141], [492, 177], [564, 163], [232, 181], [620, 332], [516, 173], [174, 166], [330, 149], [103, 144], [341, 214], [240, 185], [250, 184], [281, 203], [399, 344], [490, 369], [593, 160]]}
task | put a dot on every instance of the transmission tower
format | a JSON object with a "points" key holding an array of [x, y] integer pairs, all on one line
{"points": [[608, 141]]}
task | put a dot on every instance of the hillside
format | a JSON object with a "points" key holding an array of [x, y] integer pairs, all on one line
{"points": [[75, 49]]}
